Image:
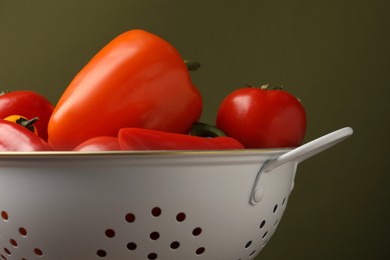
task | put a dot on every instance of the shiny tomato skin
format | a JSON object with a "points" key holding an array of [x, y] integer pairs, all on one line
{"points": [[136, 80], [262, 118], [16, 138], [28, 104]]}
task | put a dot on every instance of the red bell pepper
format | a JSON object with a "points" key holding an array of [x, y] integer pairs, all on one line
{"points": [[137, 80], [14, 137], [99, 143], [147, 139]]}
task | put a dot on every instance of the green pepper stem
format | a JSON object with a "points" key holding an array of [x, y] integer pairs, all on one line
{"points": [[205, 130], [192, 65]]}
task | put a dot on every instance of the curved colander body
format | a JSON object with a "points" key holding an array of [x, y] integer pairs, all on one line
{"points": [[151, 205], [165, 205]]}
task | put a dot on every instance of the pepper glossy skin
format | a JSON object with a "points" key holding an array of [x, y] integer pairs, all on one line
{"points": [[136, 80], [14, 137], [147, 139], [99, 143]]}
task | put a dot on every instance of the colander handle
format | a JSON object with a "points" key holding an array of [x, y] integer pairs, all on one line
{"points": [[309, 149], [300, 154]]}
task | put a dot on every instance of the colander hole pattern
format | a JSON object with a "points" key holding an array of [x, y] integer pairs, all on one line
{"points": [[265, 233], [131, 218], [152, 229], [156, 212], [250, 246], [13, 242]]}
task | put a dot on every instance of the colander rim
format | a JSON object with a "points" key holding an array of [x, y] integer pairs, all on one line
{"points": [[151, 153]]}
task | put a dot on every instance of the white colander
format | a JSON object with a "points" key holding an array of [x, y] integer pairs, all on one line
{"points": [[146, 205]]}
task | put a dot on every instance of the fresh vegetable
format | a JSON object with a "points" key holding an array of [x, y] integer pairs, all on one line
{"points": [[14, 137], [99, 143], [262, 118], [30, 104], [147, 139], [137, 80], [27, 123], [192, 65], [205, 130]]}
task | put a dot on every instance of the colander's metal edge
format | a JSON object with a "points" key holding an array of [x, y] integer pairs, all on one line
{"points": [[152, 153]]}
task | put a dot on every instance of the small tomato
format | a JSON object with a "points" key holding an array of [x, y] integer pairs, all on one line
{"points": [[25, 122], [262, 118], [28, 104], [14, 137]]}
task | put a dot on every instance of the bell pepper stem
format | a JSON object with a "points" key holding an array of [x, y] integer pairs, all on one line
{"points": [[205, 130], [192, 65]]}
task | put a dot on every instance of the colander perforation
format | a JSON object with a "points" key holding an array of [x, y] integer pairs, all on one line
{"points": [[265, 231], [15, 240], [148, 205], [152, 250]]}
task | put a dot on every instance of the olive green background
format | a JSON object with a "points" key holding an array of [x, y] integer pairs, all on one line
{"points": [[333, 55]]}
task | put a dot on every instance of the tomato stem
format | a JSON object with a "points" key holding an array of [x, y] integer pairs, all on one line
{"points": [[264, 87], [27, 123]]}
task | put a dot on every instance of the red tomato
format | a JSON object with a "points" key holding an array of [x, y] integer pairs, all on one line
{"points": [[28, 104], [14, 137], [25, 122], [262, 118], [99, 143], [137, 80]]}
